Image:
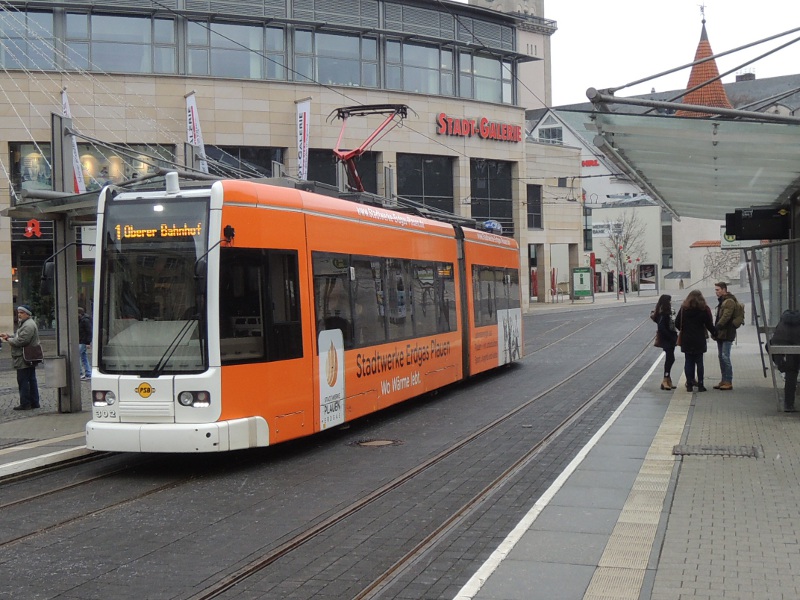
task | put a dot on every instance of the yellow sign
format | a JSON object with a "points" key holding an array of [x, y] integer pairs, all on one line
{"points": [[162, 231], [145, 390]]}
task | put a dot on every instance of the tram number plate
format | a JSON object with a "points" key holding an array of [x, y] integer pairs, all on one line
{"points": [[104, 413]]}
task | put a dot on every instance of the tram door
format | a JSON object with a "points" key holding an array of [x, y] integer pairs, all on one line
{"points": [[261, 343]]}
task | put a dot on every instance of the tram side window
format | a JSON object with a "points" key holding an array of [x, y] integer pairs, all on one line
{"points": [[512, 277], [285, 332], [241, 285], [259, 305], [369, 322], [446, 298], [425, 302], [489, 294], [398, 293], [332, 294]]}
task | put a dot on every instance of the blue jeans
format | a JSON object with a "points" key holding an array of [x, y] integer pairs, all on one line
{"points": [[725, 366], [694, 361], [28, 387], [85, 366]]}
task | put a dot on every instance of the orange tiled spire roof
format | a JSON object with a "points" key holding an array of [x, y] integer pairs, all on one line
{"points": [[712, 94]]}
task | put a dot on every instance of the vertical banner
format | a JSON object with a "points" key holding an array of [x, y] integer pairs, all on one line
{"points": [[193, 134], [303, 115], [79, 185]]}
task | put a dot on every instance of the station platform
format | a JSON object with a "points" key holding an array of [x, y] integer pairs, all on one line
{"points": [[679, 495]]}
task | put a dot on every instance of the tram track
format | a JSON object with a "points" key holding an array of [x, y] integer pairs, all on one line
{"points": [[395, 567], [385, 579]]}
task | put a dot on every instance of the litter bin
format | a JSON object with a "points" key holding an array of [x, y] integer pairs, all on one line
{"points": [[55, 372]]}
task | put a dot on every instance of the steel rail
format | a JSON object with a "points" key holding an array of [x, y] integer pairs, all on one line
{"points": [[245, 572]]}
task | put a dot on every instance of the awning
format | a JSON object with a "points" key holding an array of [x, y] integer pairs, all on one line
{"points": [[704, 168]]}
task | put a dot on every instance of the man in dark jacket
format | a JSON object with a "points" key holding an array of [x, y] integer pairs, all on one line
{"points": [[84, 341], [726, 333], [787, 333]]}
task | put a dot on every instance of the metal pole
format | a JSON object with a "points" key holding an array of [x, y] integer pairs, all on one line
{"points": [[69, 397]]}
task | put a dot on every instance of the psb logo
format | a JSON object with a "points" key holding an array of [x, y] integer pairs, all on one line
{"points": [[145, 390]]}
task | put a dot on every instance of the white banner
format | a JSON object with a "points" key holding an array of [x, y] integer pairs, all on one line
{"points": [[79, 185], [193, 133], [303, 115]]}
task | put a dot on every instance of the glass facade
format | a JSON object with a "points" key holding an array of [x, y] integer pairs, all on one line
{"points": [[120, 44], [27, 40], [144, 43], [491, 185], [426, 179]]}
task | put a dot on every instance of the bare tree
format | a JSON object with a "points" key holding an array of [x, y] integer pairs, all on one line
{"points": [[627, 231]]}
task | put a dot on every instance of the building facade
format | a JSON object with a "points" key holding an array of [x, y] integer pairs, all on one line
{"points": [[127, 68]]}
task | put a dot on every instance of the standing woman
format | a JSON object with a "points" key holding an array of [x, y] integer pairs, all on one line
{"points": [[27, 334], [667, 337], [694, 320]]}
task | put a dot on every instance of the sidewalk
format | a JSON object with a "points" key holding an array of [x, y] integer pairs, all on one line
{"points": [[681, 495], [36, 438]]}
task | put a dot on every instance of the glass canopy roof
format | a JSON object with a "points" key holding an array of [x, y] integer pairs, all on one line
{"points": [[703, 168]]}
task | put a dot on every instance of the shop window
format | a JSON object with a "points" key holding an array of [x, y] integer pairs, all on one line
{"points": [[31, 166], [244, 161], [491, 196], [426, 179], [322, 167]]}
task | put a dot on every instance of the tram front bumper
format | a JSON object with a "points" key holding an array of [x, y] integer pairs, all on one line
{"points": [[220, 436]]}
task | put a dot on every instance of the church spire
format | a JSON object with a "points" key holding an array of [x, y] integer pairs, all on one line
{"points": [[711, 94]]}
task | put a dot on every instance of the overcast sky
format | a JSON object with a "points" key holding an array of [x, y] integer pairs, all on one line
{"points": [[609, 44]]}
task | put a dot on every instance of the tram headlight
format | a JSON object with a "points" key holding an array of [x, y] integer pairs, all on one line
{"points": [[103, 398], [200, 399]]}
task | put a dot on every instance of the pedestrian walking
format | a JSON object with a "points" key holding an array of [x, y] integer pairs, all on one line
{"points": [[84, 342], [666, 336], [726, 333], [27, 335], [787, 333], [695, 322]]}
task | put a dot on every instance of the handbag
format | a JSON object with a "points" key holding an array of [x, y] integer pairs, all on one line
{"points": [[678, 343], [32, 354], [657, 342]]}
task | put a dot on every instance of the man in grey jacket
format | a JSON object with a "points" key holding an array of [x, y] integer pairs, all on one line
{"points": [[27, 334]]}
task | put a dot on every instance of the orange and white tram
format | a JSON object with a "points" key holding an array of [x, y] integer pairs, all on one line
{"points": [[244, 314]]}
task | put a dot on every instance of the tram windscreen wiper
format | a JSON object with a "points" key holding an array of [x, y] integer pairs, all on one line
{"points": [[173, 345]]}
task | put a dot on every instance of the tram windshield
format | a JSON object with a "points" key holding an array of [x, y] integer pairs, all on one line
{"points": [[153, 287]]}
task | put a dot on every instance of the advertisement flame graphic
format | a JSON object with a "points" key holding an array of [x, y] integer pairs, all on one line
{"points": [[332, 366]]}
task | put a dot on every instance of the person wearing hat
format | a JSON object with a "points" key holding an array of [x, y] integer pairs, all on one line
{"points": [[27, 334]]}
